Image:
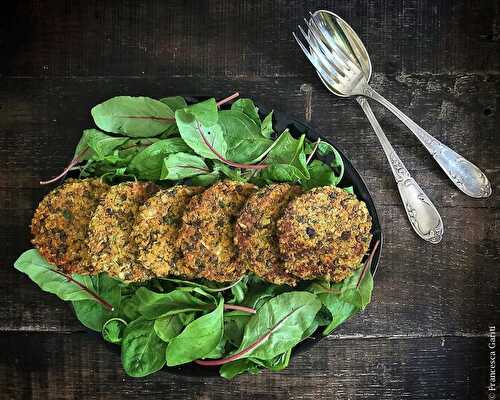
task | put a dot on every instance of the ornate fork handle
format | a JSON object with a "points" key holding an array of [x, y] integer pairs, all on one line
{"points": [[422, 214], [465, 175]]}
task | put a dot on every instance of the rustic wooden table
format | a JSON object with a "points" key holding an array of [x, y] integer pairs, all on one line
{"points": [[425, 334]]}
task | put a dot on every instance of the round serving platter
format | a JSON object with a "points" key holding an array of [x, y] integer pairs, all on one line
{"points": [[282, 121]]}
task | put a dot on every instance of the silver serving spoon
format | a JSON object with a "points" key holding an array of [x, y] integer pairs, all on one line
{"points": [[465, 175], [342, 76]]}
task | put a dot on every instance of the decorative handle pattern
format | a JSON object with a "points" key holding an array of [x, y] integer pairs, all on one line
{"points": [[465, 175], [423, 216]]}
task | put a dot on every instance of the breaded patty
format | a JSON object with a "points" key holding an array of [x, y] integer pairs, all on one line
{"points": [[206, 237], [60, 223], [112, 249], [255, 232], [324, 233], [156, 228]]}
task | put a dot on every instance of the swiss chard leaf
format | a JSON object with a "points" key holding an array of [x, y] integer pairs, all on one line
{"points": [[244, 141], [198, 339], [247, 107], [267, 126], [174, 102], [287, 160], [148, 163], [98, 145], [279, 324], [154, 305], [143, 352], [133, 116], [183, 165], [51, 280], [198, 136], [168, 327], [238, 367], [346, 298]]}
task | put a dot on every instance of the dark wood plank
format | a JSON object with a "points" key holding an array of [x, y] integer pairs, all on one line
{"points": [[239, 39], [81, 366]]}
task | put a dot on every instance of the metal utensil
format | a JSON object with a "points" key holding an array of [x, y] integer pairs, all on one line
{"points": [[465, 175], [342, 75]]}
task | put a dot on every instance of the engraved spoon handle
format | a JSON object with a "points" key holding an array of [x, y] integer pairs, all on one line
{"points": [[423, 216], [465, 175]]}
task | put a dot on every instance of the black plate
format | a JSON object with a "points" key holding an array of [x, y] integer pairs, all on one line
{"points": [[282, 121]]}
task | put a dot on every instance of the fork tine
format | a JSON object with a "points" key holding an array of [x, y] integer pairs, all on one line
{"points": [[333, 81], [328, 64], [332, 58], [338, 50], [341, 61]]}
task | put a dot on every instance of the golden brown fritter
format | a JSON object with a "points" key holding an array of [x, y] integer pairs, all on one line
{"points": [[156, 228], [324, 233], [206, 238], [112, 249], [255, 232], [60, 223]]}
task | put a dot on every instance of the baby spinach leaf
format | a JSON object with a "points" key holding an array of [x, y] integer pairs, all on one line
{"points": [[287, 160], [279, 324], [345, 298], [53, 281], [112, 330], [143, 352], [129, 307], [232, 173], [234, 327], [198, 339], [168, 327], [267, 126], [244, 141], [230, 370], [98, 145], [247, 107], [277, 363], [133, 116], [205, 179], [219, 350], [148, 163], [320, 175], [183, 165], [154, 305], [174, 102], [196, 135], [92, 314], [329, 155]]}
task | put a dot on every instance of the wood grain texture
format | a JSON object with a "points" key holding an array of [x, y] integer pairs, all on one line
{"points": [[426, 368], [423, 337]]}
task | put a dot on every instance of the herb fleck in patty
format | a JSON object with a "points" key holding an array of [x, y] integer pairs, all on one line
{"points": [[60, 223], [110, 243], [255, 232], [156, 228], [206, 238], [324, 233]]}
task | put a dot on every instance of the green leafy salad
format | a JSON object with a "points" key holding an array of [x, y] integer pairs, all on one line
{"points": [[245, 326]]}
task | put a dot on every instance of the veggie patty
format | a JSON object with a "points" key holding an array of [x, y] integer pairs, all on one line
{"points": [[111, 247], [156, 228], [255, 232], [206, 238], [60, 223], [324, 233]]}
